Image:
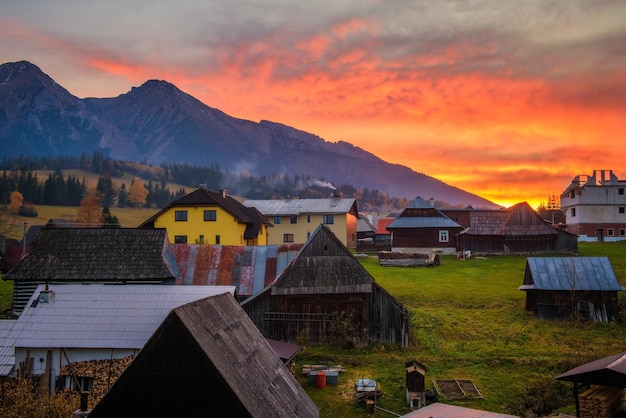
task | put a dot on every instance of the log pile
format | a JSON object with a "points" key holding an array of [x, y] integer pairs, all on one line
{"points": [[103, 372], [601, 402]]}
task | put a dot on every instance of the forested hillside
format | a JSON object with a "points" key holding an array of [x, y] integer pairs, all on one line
{"points": [[115, 179]]}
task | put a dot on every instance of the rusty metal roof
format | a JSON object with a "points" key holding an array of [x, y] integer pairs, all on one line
{"points": [[248, 268]]}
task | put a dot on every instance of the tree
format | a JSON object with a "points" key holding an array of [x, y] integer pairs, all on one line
{"points": [[17, 200], [108, 220], [122, 197], [89, 213], [137, 193]]}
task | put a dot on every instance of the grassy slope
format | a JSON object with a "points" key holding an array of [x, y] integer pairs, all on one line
{"points": [[467, 322]]}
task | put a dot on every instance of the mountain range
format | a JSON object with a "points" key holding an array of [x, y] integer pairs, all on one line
{"points": [[158, 123]]}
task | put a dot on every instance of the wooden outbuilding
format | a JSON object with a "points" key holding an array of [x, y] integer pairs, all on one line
{"points": [[206, 359], [421, 227], [325, 293], [516, 230], [563, 287]]}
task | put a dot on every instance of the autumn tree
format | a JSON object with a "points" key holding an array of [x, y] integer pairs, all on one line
{"points": [[89, 213], [137, 193], [17, 200]]}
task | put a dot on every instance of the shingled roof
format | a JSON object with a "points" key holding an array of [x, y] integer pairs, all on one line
{"points": [[95, 254], [219, 365], [204, 197], [518, 220]]}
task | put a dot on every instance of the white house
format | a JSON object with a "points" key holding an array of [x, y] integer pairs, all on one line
{"points": [[595, 207], [65, 323]]}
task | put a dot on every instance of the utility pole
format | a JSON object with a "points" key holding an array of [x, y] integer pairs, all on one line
{"points": [[24, 241]]}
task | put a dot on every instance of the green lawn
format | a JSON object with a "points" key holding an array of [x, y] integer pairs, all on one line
{"points": [[467, 322]]}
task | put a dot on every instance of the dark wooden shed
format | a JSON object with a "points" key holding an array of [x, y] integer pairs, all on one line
{"points": [[562, 287], [516, 230], [206, 359], [325, 287]]}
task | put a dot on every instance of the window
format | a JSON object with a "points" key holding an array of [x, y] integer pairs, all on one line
{"points": [[180, 239], [621, 209], [288, 238], [293, 219], [308, 219], [609, 232], [81, 384], [329, 219], [201, 239], [443, 236], [572, 194], [218, 239], [573, 212], [308, 235], [277, 220], [622, 232], [180, 215], [210, 215], [620, 190]]}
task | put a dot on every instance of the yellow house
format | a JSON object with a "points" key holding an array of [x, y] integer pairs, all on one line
{"points": [[207, 217], [294, 220]]}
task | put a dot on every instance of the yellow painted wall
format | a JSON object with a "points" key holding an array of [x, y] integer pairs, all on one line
{"points": [[344, 229], [226, 226]]}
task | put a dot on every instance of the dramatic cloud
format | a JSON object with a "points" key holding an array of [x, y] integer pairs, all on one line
{"points": [[506, 99]]}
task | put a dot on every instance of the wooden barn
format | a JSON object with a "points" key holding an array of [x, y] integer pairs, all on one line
{"points": [[325, 293], [565, 287], [421, 227], [516, 230], [206, 359], [92, 255]]}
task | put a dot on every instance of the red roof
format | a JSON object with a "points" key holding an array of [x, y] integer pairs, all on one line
{"points": [[382, 226]]}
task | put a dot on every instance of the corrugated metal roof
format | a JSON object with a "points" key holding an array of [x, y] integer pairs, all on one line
{"points": [[102, 316], [441, 410], [336, 205], [248, 268], [7, 348], [568, 273], [423, 222]]}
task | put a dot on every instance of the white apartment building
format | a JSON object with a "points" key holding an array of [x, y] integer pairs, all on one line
{"points": [[595, 207]]}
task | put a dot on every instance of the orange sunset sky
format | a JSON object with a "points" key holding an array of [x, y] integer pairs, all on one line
{"points": [[505, 99]]}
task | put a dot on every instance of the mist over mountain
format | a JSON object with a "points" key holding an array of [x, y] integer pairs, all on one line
{"points": [[158, 123]]}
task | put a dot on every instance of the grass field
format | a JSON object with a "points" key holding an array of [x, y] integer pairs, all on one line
{"points": [[467, 322]]}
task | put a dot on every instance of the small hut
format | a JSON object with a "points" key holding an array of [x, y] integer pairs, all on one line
{"points": [[560, 287], [326, 295]]}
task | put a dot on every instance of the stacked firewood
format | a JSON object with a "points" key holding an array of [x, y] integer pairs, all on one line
{"points": [[103, 372], [601, 402]]}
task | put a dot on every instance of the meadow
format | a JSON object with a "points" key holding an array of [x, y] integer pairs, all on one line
{"points": [[467, 322]]}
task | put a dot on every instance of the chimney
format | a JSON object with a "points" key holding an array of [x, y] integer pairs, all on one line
{"points": [[222, 192], [46, 295]]}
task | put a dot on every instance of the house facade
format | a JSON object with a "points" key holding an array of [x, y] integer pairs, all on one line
{"points": [[65, 323], [208, 217], [421, 227], [595, 207], [294, 220]]}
